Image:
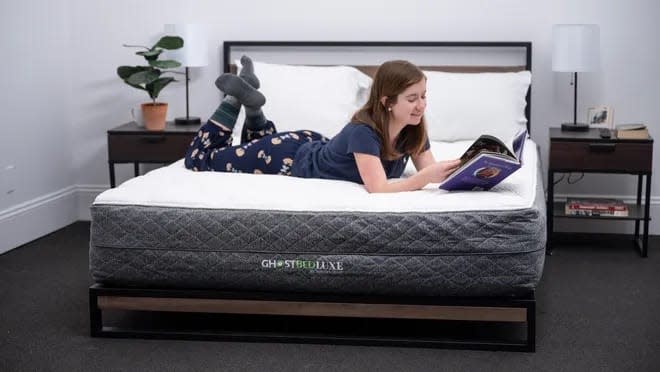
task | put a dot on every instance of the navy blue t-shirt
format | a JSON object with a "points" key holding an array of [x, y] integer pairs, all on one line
{"points": [[335, 159]]}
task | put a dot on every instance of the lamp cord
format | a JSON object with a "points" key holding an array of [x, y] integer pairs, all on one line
{"points": [[187, 104], [569, 180], [575, 87]]}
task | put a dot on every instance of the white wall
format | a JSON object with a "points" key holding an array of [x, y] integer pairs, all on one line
{"points": [[61, 93], [36, 135]]}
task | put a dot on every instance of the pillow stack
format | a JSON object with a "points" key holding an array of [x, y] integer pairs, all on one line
{"points": [[460, 106]]}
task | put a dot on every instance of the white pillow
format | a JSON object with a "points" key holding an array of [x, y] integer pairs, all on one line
{"points": [[319, 98], [463, 106]]}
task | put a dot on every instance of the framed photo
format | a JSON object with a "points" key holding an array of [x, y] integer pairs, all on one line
{"points": [[600, 117]]}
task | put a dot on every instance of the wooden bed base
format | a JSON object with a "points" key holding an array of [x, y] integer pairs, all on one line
{"points": [[397, 321]]}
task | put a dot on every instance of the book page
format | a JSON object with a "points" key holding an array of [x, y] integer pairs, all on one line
{"points": [[486, 144], [519, 143]]}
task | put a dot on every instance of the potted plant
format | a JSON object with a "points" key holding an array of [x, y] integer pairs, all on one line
{"points": [[150, 78]]}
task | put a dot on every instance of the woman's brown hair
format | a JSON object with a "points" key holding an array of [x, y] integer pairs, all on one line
{"points": [[392, 78]]}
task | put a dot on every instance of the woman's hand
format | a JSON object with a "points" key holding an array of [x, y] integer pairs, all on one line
{"points": [[440, 170]]}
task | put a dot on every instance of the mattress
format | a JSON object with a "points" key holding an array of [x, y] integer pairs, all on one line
{"points": [[173, 228]]}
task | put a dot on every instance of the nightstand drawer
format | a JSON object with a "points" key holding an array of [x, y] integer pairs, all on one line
{"points": [[157, 148], [601, 156]]}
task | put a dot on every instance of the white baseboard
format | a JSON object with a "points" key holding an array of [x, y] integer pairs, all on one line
{"points": [[35, 218], [86, 196]]}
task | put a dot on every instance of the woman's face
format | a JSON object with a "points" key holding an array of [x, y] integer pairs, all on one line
{"points": [[410, 104]]}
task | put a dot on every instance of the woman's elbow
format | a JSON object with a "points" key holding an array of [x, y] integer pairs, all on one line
{"points": [[374, 188]]}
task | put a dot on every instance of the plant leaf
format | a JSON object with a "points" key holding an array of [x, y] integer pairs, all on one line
{"points": [[150, 55], [143, 77], [156, 86], [135, 86], [125, 71], [168, 63], [169, 42]]}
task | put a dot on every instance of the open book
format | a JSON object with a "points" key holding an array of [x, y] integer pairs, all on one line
{"points": [[486, 163]]}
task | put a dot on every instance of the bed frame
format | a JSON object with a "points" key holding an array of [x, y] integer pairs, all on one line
{"points": [[486, 323]]}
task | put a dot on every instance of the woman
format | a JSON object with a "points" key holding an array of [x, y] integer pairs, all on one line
{"points": [[376, 145]]}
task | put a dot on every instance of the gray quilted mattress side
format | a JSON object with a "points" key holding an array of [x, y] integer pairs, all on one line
{"points": [[476, 253]]}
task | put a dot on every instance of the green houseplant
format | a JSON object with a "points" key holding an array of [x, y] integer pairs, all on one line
{"points": [[150, 78]]}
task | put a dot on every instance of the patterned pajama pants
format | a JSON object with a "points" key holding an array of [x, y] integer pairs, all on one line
{"points": [[264, 151]]}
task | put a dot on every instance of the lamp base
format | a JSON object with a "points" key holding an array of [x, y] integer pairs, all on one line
{"points": [[574, 127], [192, 120]]}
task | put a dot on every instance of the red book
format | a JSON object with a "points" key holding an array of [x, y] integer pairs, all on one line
{"points": [[596, 207]]}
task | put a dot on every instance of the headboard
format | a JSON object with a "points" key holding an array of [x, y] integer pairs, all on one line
{"points": [[454, 56]]}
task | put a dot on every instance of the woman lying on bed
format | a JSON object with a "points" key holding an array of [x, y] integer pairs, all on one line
{"points": [[373, 147]]}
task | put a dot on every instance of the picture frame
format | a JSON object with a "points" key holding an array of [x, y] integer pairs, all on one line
{"points": [[600, 117]]}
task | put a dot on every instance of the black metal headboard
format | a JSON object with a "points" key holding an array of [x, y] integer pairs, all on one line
{"points": [[524, 46]]}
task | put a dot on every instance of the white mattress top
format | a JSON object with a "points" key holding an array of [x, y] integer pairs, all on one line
{"points": [[175, 186]]}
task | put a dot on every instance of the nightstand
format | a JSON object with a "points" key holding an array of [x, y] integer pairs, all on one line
{"points": [[589, 153], [130, 143]]}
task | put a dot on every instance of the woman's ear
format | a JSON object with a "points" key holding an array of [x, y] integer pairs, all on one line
{"points": [[383, 101]]}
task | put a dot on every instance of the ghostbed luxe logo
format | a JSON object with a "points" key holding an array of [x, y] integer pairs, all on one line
{"points": [[297, 264]]}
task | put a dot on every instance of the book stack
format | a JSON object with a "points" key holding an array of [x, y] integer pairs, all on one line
{"points": [[596, 207], [632, 131]]}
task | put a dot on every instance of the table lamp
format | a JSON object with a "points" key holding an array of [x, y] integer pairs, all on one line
{"points": [[194, 53], [575, 48]]}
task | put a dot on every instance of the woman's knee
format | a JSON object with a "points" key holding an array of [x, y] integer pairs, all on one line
{"points": [[188, 162]]}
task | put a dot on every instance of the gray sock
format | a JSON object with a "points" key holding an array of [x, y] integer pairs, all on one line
{"points": [[232, 101], [227, 112], [254, 118], [247, 72], [244, 92]]}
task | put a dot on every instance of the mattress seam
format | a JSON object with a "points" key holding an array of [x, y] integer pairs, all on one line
{"points": [[350, 213], [328, 254]]}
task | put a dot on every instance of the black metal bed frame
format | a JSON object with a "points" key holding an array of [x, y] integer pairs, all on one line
{"points": [[327, 309], [287, 308]]}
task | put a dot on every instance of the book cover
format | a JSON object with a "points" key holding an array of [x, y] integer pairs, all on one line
{"points": [[632, 131], [633, 134], [633, 126], [486, 163]]}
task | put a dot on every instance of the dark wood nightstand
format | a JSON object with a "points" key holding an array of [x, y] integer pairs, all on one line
{"points": [[589, 153], [130, 143]]}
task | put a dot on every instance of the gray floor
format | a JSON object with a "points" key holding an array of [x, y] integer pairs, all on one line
{"points": [[598, 310]]}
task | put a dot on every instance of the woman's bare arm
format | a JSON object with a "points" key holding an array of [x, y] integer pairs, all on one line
{"points": [[374, 178], [423, 160]]}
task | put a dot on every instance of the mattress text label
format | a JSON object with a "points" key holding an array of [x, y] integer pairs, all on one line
{"points": [[303, 265]]}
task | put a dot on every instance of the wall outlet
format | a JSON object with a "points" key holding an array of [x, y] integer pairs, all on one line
{"points": [[7, 180]]}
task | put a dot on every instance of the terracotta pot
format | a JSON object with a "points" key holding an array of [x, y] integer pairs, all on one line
{"points": [[154, 115]]}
